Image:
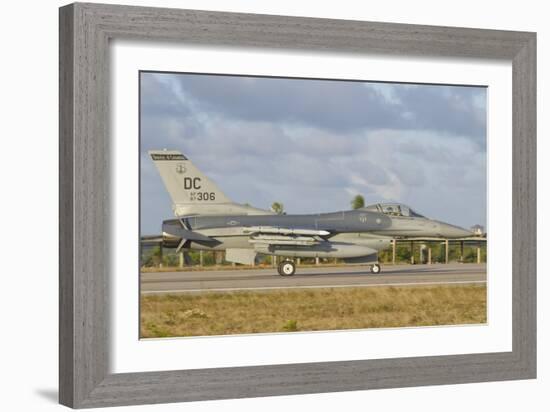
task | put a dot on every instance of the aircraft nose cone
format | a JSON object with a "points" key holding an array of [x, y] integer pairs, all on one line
{"points": [[451, 231]]}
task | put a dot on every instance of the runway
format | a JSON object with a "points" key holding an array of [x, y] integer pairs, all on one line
{"points": [[311, 277]]}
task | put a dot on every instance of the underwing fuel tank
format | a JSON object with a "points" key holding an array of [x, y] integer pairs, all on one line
{"points": [[322, 250]]}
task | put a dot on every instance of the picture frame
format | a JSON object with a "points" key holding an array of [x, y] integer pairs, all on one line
{"points": [[84, 356]]}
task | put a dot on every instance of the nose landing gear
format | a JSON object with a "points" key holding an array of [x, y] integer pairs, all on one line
{"points": [[375, 269], [286, 268]]}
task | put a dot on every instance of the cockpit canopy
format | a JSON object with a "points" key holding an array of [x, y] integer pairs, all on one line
{"points": [[393, 209]]}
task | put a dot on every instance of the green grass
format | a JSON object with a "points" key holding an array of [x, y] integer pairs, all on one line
{"points": [[215, 313]]}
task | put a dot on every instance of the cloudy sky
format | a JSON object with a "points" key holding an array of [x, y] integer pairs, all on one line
{"points": [[314, 144]]}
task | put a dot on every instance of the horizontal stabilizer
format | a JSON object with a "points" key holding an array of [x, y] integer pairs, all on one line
{"points": [[188, 235]]}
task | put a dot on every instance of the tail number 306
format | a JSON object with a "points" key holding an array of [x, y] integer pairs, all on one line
{"points": [[202, 196]]}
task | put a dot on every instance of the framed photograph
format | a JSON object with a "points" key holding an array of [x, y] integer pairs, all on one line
{"points": [[343, 248], [258, 205]]}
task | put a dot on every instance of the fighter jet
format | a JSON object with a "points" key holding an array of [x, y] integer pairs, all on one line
{"points": [[206, 219]]}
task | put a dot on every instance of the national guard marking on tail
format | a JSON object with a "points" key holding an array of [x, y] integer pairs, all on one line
{"points": [[167, 156]]}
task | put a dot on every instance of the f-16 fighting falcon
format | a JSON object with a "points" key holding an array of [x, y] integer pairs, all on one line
{"points": [[206, 219]]}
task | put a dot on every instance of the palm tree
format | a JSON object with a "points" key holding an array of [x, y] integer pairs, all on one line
{"points": [[358, 202], [278, 208]]}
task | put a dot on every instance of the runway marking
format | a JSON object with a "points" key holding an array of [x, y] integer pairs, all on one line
{"points": [[156, 292]]}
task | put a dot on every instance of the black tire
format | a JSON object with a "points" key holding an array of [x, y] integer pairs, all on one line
{"points": [[286, 268], [375, 269]]}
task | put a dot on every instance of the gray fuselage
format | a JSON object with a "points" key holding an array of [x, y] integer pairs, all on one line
{"points": [[351, 233]]}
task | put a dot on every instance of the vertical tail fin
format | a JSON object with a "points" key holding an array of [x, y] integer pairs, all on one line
{"points": [[186, 184], [191, 191]]}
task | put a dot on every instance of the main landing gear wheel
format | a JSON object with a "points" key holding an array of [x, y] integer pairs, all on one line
{"points": [[286, 268], [375, 269]]}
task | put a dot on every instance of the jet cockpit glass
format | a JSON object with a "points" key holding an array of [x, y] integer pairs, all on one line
{"points": [[391, 209], [394, 209], [405, 211]]}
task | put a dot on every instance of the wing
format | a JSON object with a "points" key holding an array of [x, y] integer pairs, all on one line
{"points": [[178, 230]]}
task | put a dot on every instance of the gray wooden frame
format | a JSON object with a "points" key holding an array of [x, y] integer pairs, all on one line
{"points": [[85, 31]]}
